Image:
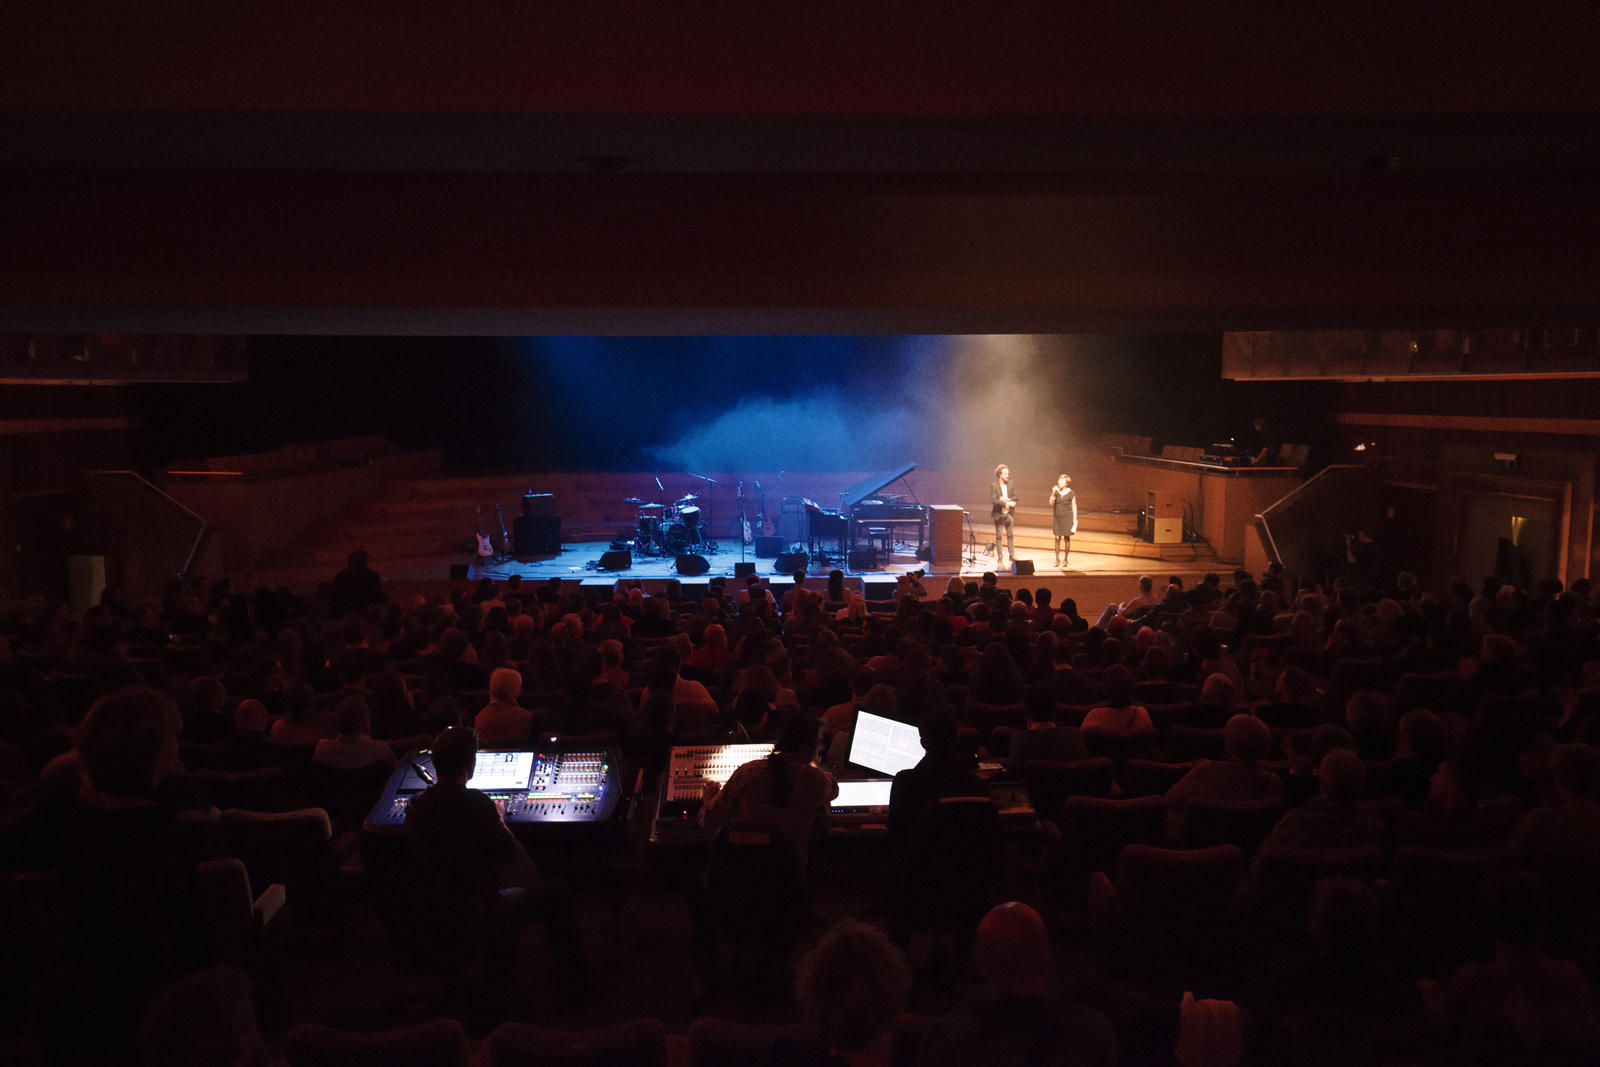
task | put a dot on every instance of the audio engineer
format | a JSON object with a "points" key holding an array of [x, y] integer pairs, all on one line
{"points": [[785, 791]]}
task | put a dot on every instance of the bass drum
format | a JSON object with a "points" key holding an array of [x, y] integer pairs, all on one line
{"points": [[680, 537]]}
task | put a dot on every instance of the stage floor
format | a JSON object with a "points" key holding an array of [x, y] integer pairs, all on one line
{"points": [[580, 561]]}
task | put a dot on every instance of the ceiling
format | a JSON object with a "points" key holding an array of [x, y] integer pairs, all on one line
{"points": [[750, 167]]}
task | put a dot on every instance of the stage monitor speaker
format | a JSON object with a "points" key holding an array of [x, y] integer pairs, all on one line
{"points": [[458, 572], [619, 560], [769, 547], [789, 562], [693, 564], [536, 535], [1022, 566], [742, 570], [864, 559]]}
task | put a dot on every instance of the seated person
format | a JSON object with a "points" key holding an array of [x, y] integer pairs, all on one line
{"points": [[1219, 702], [243, 751], [1044, 738], [1119, 716], [1347, 971], [354, 747], [1337, 819], [1238, 778], [129, 888], [851, 987], [1542, 1007], [785, 791], [485, 880], [942, 772], [1021, 1022], [503, 723], [1293, 701], [1567, 832]]}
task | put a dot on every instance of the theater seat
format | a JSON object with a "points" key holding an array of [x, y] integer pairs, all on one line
{"points": [[1050, 782], [1177, 918], [1095, 829], [436, 1043], [720, 1043], [1245, 823], [637, 1043]]}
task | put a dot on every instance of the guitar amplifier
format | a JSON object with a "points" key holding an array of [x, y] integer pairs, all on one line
{"points": [[536, 535], [768, 547]]}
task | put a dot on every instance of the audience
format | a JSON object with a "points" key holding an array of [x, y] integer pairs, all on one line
{"points": [[1475, 738]]}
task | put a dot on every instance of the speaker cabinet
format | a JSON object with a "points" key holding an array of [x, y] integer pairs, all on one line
{"points": [[1167, 531], [743, 570], [692, 564], [1022, 566], [864, 559], [618, 560], [945, 534], [768, 547], [789, 562], [536, 535], [1164, 504]]}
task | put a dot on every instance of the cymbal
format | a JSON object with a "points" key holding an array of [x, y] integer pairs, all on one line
{"points": [[632, 500], [687, 499]]}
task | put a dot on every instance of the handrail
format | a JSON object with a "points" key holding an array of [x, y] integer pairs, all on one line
{"points": [[170, 501], [1306, 485], [1299, 494], [154, 488]]}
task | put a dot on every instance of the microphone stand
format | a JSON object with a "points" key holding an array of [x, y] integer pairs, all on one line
{"points": [[744, 524]]}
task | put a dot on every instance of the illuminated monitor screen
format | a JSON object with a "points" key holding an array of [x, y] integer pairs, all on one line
{"points": [[502, 772], [882, 745], [872, 793]]}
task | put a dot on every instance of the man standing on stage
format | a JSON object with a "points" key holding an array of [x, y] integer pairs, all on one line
{"points": [[1064, 508], [1002, 502]]}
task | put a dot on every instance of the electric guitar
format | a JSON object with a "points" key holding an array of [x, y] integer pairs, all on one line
{"points": [[485, 549]]}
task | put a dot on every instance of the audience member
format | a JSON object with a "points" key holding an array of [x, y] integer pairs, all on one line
{"points": [[504, 723], [784, 792], [1021, 1023], [354, 747], [851, 988]]}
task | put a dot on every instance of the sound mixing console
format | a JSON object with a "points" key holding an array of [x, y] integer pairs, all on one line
{"points": [[688, 771], [529, 787]]}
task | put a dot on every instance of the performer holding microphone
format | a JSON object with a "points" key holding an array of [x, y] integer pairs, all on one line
{"points": [[1001, 504], [1064, 506]]}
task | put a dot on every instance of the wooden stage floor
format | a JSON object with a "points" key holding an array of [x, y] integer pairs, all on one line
{"points": [[1088, 574]]}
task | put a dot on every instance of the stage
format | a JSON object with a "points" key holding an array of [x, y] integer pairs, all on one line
{"points": [[1091, 575]]}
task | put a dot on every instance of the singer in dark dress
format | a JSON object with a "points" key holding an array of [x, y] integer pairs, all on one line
{"points": [[1064, 508]]}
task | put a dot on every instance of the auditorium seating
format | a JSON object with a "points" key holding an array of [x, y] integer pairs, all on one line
{"points": [[1195, 916]]}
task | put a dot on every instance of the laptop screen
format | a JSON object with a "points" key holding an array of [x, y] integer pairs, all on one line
{"points": [[501, 772], [871, 793], [882, 745]]}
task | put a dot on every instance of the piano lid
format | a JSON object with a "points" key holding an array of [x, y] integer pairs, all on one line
{"points": [[867, 486]]}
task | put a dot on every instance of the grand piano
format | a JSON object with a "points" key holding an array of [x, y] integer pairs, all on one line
{"points": [[873, 515]]}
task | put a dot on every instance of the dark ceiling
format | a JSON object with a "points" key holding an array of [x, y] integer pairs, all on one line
{"points": [[742, 167]]}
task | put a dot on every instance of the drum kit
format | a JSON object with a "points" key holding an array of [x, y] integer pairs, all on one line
{"points": [[669, 529]]}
